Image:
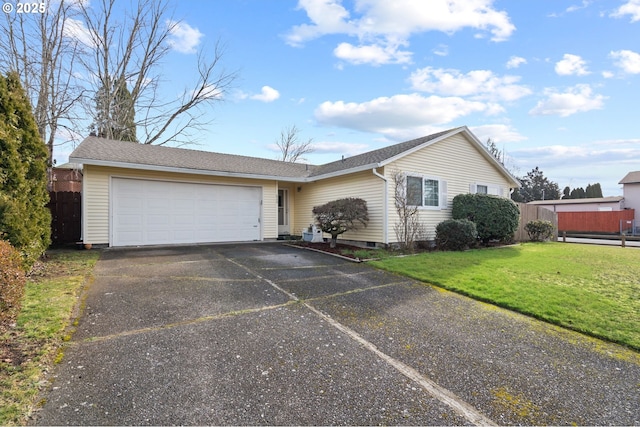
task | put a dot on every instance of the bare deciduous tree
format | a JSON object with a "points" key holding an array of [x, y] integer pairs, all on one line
{"points": [[36, 46], [66, 55], [132, 51], [408, 229], [291, 149]]}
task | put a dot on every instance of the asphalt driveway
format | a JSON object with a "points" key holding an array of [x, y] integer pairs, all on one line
{"points": [[257, 334]]}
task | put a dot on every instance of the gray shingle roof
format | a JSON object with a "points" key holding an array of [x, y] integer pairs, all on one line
{"points": [[106, 150], [631, 178], [100, 151], [375, 156]]}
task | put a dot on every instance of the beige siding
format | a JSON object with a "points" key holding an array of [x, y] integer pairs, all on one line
{"points": [[454, 160], [95, 222], [95, 205], [363, 184]]}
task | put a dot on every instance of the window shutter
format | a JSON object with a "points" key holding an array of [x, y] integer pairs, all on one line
{"points": [[472, 188], [443, 194]]}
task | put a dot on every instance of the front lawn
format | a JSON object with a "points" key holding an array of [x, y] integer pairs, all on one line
{"points": [[588, 288], [28, 351]]}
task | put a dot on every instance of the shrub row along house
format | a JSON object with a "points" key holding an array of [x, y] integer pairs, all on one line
{"points": [[137, 194]]}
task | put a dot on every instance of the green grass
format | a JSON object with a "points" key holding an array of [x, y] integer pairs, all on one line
{"points": [[588, 288], [31, 348]]}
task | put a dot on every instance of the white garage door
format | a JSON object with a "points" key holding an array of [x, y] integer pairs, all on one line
{"points": [[160, 212]]}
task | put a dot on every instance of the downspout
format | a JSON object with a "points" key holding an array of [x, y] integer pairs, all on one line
{"points": [[385, 214]]}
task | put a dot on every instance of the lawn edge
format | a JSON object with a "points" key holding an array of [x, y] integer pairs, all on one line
{"points": [[513, 309]]}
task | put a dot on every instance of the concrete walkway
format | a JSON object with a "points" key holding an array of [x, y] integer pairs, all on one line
{"points": [[264, 334], [606, 242]]}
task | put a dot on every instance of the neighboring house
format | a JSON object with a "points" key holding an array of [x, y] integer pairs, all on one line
{"points": [[66, 177], [135, 194], [631, 192], [601, 204]]}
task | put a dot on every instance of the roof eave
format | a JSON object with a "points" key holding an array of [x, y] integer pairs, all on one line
{"points": [[343, 172], [157, 168]]}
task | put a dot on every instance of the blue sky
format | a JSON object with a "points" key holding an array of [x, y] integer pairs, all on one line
{"points": [[554, 83]]}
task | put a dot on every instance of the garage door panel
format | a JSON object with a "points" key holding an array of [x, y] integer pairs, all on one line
{"points": [[159, 212]]}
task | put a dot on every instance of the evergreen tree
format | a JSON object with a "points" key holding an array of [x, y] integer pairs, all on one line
{"points": [[578, 193], [535, 186], [115, 112], [594, 191], [566, 193], [25, 221]]}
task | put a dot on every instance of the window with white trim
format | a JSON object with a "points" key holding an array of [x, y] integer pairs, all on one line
{"points": [[426, 192], [482, 188]]}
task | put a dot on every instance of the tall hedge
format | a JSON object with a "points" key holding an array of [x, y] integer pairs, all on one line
{"points": [[496, 218], [25, 221]]}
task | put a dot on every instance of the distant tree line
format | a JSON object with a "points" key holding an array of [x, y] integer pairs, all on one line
{"points": [[592, 191]]}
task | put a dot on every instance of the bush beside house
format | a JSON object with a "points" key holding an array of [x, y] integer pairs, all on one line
{"points": [[339, 216], [25, 220], [12, 282], [456, 234], [496, 218]]}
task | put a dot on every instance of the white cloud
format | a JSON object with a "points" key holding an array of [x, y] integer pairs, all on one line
{"points": [[212, 92], [327, 17], [498, 133], [516, 61], [575, 7], [441, 50], [628, 60], [571, 65], [479, 84], [559, 155], [184, 38], [75, 29], [268, 94], [386, 25], [399, 114], [576, 99], [372, 54], [631, 7]]}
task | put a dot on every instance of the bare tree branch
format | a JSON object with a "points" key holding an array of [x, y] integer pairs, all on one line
{"points": [[134, 50], [408, 228], [37, 49], [291, 149]]}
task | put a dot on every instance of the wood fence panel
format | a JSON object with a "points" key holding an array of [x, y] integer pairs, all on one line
{"points": [[532, 213], [66, 210], [593, 222]]}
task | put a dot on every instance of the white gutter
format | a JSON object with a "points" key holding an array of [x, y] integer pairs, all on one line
{"points": [[385, 213]]}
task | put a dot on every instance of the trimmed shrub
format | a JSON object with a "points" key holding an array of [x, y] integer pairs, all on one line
{"points": [[496, 218], [456, 234], [539, 230], [12, 281], [342, 215]]}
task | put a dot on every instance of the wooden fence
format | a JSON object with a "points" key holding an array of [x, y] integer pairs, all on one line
{"points": [[593, 222], [531, 213], [66, 208]]}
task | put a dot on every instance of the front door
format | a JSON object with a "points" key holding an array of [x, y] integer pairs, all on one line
{"points": [[283, 211]]}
